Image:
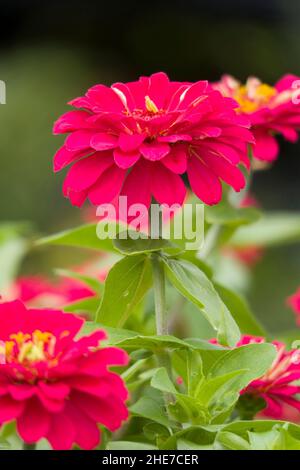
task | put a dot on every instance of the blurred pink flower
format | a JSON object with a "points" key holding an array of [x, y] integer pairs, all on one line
{"points": [[38, 291], [54, 386], [136, 139], [294, 302], [271, 110], [278, 386]]}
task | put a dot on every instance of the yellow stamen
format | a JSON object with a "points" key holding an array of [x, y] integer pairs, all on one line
{"points": [[150, 105]]}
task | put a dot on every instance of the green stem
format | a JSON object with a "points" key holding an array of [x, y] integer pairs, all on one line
{"points": [[27, 446], [159, 285], [159, 296]]}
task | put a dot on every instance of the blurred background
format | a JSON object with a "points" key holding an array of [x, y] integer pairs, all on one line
{"points": [[53, 51]]}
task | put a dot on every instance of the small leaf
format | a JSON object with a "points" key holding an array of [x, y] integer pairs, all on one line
{"points": [[84, 236], [131, 243], [240, 311], [193, 284], [126, 284], [147, 407], [162, 382], [232, 441]]}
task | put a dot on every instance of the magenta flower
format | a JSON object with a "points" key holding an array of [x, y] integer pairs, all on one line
{"points": [[279, 386], [294, 302], [39, 291], [271, 110], [137, 139], [53, 385]]}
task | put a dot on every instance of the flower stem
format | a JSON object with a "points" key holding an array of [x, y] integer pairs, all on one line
{"points": [[27, 446], [159, 296]]}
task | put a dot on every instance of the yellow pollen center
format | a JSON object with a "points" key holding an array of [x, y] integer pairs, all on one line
{"points": [[150, 105], [25, 348], [252, 97]]}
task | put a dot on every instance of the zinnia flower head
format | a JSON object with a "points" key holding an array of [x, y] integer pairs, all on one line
{"points": [[294, 302], [53, 385], [271, 109], [278, 386], [137, 139], [39, 291]]}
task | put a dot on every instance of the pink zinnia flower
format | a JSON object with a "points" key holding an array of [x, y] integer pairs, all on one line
{"points": [[54, 386], [39, 291], [294, 302], [278, 386], [271, 110], [136, 139]]}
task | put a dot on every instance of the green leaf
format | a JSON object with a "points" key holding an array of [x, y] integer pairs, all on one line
{"points": [[256, 358], [225, 214], [84, 236], [126, 284], [147, 407], [131, 243], [88, 305], [193, 284], [152, 343], [273, 229], [240, 311], [209, 388], [91, 282], [162, 382], [232, 441]]}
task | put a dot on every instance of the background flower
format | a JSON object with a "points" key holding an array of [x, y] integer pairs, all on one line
{"points": [[271, 110], [137, 139], [53, 385], [279, 386], [294, 302]]}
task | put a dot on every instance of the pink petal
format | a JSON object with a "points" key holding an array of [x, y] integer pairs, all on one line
{"points": [[33, 423], [77, 198], [56, 391], [87, 432], [129, 142], [21, 391], [204, 183], [64, 157], [103, 141], [137, 184], [176, 160], [108, 186], [158, 88], [10, 409], [71, 121], [155, 150], [79, 140], [126, 159], [110, 411], [85, 173], [174, 138], [62, 431], [266, 147], [167, 187], [105, 99], [227, 172]]}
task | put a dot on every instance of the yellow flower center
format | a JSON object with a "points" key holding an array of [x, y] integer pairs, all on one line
{"points": [[253, 95], [25, 348], [150, 105]]}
